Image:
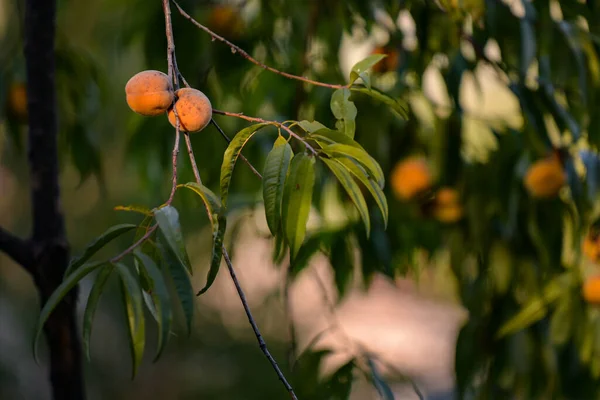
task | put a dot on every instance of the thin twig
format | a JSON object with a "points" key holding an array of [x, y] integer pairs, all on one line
{"points": [[173, 77], [175, 154], [149, 233], [243, 53], [188, 143], [261, 341], [244, 159], [264, 121]]}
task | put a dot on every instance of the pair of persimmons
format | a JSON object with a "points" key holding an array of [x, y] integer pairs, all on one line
{"points": [[150, 93]]}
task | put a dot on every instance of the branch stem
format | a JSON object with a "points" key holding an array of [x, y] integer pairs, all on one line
{"points": [[243, 53], [274, 123], [261, 341]]}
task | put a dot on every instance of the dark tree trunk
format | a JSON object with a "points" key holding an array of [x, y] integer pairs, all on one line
{"points": [[48, 244]]}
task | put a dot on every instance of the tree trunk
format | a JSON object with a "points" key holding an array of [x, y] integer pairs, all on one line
{"points": [[48, 242]]}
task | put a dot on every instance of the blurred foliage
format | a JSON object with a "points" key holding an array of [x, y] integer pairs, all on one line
{"points": [[517, 258]]}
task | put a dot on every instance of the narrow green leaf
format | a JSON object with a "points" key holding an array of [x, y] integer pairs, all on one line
{"points": [[328, 136], [134, 208], [211, 201], [534, 310], [352, 188], [344, 110], [297, 198], [132, 295], [168, 221], [360, 69], [181, 281], [161, 300], [274, 174], [313, 244], [217, 254], [361, 156], [231, 155], [90, 308], [561, 322], [311, 126], [61, 291], [372, 186], [400, 108], [98, 243]]}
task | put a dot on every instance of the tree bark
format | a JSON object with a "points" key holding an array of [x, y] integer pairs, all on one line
{"points": [[48, 244]]}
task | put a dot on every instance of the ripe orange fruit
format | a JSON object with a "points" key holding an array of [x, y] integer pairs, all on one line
{"points": [[545, 178], [410, 177], [591, 290], [193, 108], [149, 93], [447, 205], [16, 102]]}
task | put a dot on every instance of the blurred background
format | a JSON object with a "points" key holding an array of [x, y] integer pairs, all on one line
{"points": [[475, 238]]}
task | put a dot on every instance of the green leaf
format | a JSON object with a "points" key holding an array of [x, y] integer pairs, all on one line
{"points": [[132, 295], [382, 387], [217, 254], [328, 136], [274, 174], [344, 110], [181, 281], [297, 198], [61, 291], [361, 156], [400, 108], [561, 322], [352, 188], [134, 208], [372, 186], [311, 126], [98, 243], [360, 69], [231, 155], [534, 310], [160, 297], [211, 201], [90, 308], [212, 204], [168, 221]]}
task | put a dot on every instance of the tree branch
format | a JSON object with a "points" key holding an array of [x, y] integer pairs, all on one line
{"points": [[264, 121], [261, 341], [243, 53], [17, 249]]}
